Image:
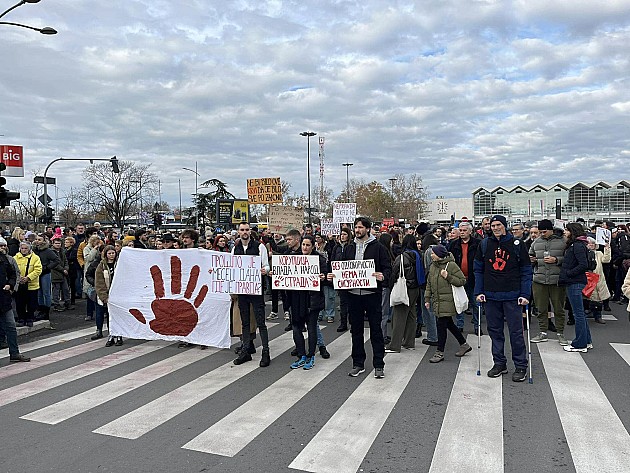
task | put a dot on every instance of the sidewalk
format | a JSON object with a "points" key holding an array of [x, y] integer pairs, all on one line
{"points": [[59, 322]]}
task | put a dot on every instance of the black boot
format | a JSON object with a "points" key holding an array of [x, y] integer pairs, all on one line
{"points": [[418, 330], [607, 306], [99, 334], [243, 357], [266, 359], [343, 327], [252, 348]]}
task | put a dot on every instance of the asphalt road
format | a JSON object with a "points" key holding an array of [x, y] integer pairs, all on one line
{"points": [[149, 406]]}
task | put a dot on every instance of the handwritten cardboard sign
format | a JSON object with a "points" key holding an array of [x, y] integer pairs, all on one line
{"points": [[328, 227], [295, 272], [234, 274], [354, 274], [266, 190], [344, 212], [285, 218], [602, 236]]}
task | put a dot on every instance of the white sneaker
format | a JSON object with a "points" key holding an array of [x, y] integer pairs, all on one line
{"points": [[272, 316], [286, 315], [589, 346], [571, 348]]}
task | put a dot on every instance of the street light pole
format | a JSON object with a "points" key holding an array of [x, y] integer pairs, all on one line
{"points": [[179, 184], [196, 194], [392, 180], [347, 165], [45, 30], [308, 135]]}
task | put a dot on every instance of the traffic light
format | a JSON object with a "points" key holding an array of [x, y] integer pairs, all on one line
{"points": [[114, 163], [6, 196], [48, 215]]}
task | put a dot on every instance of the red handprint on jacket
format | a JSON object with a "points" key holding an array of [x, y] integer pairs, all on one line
{"points": [[501, 258], [173, 316]]}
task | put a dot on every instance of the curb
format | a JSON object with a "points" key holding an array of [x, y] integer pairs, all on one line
{"points": [[38, 325]]}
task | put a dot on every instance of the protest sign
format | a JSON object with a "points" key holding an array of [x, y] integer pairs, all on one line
{"points": [[234, 274], [328, 227], [285, 218], [344, 212], [602, 236], [354, 274], [559, 223], [295, 272], [167, 295], [266, 190]]}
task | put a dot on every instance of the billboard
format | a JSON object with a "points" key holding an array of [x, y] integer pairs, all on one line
{"points": [[13, 157], [231, 211]]}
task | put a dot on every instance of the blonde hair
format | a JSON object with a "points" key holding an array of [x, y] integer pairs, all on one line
{"points": [[93, 239], [17, 232]]}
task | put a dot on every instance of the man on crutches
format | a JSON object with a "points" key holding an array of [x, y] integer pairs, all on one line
{"points": [[503, 283]]}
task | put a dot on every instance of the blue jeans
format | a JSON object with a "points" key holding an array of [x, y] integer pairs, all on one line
{"points": [[473, 305], [428, 317], [582, 332], [329, 296], [101, 310], [497, 313], [44, 295], [78, 282], [7, 321]]}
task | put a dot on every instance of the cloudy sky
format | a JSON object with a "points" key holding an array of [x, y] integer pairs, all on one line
{"points": [[463, 92]]}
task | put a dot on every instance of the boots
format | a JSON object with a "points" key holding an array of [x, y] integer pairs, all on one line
{"points": [[251, 349], [243, 357], [99, 334], [266, 359], [418, 330]]}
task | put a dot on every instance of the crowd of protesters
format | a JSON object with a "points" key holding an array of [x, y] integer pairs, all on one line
{"points": [[505, 269]]}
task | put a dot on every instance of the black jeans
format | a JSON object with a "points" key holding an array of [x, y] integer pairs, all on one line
{"points": [[275, 295], [343, 307], [298, 335], [244, 300], [369, 305], [444, 323]]}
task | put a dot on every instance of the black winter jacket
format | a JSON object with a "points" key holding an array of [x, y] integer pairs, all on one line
{"points": [[374, 250], [575, 264], [409, 270]]}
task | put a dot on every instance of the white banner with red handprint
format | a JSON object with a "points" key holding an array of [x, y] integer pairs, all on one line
{"points": [[168, 295]]}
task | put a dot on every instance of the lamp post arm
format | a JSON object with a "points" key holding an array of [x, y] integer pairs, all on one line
{"points": [[13, 7]]}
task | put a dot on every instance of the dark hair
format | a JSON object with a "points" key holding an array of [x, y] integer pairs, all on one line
{"points": [[347, 231], [90, 231], [293, 232], [386, 240], [193, 234], [576, 230], [311, 238], [409, 242], [366, 222], [105, 250], [395, 237]]}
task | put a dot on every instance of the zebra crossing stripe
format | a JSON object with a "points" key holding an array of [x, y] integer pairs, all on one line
{"points": [[473, 400], [54, 380], [44, 360], [75, 405], [596, 436], [236, 430], [64, 337], [155, 413], [623, 349], [341, 445]]}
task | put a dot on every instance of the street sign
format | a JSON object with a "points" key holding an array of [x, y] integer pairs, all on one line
{"points": [[12, 156], [40, 180], [41, 199]]}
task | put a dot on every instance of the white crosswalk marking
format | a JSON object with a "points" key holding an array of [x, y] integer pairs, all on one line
{"points": [[235, 431], [155, 413], [342, 443], [596, 437], [64, 337], [474, 399], [623, 349], [87, 400], [53, 380], [53, 357]]}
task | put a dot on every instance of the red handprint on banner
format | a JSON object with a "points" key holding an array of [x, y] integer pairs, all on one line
{"points": [[173, 316]]}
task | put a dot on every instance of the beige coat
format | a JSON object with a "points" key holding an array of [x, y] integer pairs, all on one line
{"points": [[601, 292], [625, 288]]}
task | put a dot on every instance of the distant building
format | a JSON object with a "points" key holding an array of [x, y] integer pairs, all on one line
{"points": [[598, 201]]}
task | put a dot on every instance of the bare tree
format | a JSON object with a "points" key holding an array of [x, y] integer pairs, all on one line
{"points": [[117, 194]]}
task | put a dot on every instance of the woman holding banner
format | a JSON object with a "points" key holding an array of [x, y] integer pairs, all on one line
{"points": [[305, 307]]}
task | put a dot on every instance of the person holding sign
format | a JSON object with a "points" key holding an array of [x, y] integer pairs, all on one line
{"points": [[305, 307], [366, 301], [246, 246]]}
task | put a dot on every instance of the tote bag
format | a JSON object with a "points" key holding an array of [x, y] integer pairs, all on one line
{"points": [[399, 294], [459, 297]]}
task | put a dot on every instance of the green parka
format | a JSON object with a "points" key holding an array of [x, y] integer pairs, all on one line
{"points": [[439, 290]]}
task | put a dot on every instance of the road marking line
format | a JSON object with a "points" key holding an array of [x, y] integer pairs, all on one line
{"points": [[609, 317], [235, 431], [623, 349], [54, 380], [44, 360], [148, 417], [467, 442], [596, 437], [75, 405], [341, 445], [64, 337]]}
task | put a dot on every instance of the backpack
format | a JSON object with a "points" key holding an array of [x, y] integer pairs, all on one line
{"points": [[591, 260]]}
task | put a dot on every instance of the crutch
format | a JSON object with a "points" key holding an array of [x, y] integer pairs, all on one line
{"points": [[479, 343], [529, 343]]}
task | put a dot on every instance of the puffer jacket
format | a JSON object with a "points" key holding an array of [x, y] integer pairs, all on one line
{"points": [[47, 256], [439, 290], [34, 268], [547, 273], [57, 272], [575, 263], [301, 302], [601, 292], [409, 270]]}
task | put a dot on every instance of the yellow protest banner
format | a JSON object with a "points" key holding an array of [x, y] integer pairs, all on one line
{"points": [[266, 190]]}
